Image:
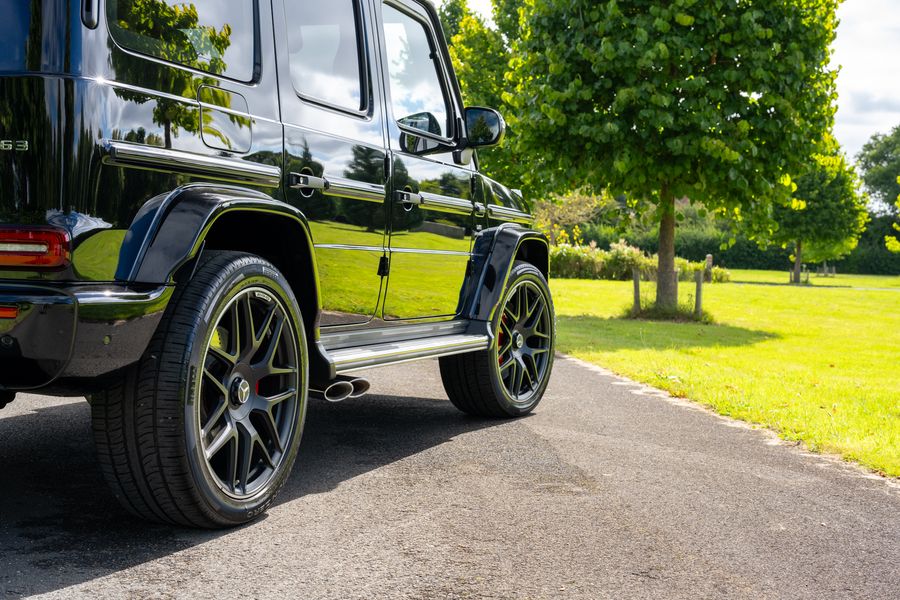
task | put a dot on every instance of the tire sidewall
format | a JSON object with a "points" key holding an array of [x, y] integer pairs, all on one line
{"points": [[521, 272], [237, 278]]}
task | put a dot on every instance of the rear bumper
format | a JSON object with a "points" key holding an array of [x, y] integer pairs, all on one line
{"points": [[77, 333]]}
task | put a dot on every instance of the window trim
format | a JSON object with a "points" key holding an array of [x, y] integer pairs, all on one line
{"points": [[362, 52], [441, 72], [255, 67]]}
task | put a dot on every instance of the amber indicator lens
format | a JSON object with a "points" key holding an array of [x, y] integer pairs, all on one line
{"points": [[33, 247]]}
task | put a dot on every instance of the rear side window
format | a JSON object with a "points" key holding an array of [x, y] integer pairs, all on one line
{"points": [[215, 36], [325, 48]]}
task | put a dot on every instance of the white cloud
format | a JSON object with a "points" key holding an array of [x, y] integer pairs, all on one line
{"points": [[866, 49]]}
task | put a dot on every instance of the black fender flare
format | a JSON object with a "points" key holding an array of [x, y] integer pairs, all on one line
{"points": [[169, 230], [494, 253]]}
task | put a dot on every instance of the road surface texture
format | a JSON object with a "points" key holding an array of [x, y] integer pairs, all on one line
{"points": [[610, 490]]}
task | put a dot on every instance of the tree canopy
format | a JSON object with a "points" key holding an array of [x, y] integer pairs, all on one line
{"points": [[481, 58], [827, 213], [879, 162], [719, 101]]}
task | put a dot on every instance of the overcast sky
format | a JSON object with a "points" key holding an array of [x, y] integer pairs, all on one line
{"points": [[868, 51]]}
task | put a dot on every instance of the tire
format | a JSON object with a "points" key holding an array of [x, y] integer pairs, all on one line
{"points": [[203, 432], [492, 383]]}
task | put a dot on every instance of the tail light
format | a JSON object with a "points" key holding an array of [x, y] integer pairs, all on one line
{"points": [[9, 312], [45, 247]]}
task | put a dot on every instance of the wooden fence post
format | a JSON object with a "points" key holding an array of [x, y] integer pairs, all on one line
{"points": [[698, 299], [636, 274]]}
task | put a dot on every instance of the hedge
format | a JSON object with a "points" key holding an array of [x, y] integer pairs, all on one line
{"points": [[617, 263]]}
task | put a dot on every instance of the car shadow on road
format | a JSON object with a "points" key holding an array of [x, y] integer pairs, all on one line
{"points": [[60, 526]]}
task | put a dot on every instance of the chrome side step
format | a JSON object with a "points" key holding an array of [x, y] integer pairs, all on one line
{"points": [[376, 355]]}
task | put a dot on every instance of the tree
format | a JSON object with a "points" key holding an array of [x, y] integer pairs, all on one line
{"points": [[879, 163], [452, 12], [481, 59], [891, 241], [827, 214], [718, 101]]}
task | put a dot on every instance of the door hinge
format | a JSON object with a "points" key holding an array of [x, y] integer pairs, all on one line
{"points": [[384, 266]]}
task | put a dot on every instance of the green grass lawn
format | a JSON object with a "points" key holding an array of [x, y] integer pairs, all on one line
{"points": [[815, 363]]}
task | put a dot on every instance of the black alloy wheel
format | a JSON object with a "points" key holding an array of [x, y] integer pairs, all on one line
{"points": [[524, 341], [249, 393], [510, 378], [204, 430]]}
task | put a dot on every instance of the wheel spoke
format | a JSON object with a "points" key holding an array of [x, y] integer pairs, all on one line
{"points": [[217, 413], [217, 382], [226, 435], [273, 401], [268, 359], [272, 426], [231, 359], [510, 362], [248, 331], [245, 458], [531, 370], [519, 377]]}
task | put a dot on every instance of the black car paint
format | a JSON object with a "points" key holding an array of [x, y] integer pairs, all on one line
{"points": [[75, 96]]}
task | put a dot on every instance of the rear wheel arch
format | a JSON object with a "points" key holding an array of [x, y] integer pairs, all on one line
{"points": [[281, 240]]}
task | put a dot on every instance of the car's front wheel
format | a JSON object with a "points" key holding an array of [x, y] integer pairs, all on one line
{"points": [[510, 378], [204, 431]]}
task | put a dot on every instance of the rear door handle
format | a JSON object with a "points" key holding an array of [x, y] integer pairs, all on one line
{"points": [[408, 198], [303, 181]]}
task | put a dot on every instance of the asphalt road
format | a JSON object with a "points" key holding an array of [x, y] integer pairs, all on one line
{"points": [[608, 491]]}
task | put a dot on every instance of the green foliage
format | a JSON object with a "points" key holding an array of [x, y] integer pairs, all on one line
{"points": [[827, 213], [617, 264], [718, 101], [890, 241], [452, 12], [480, 57], [879, 163]]}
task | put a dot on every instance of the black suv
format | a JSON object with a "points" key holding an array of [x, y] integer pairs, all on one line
{"points": [[212, 209]]}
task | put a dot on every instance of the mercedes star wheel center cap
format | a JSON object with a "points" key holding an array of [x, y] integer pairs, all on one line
{"points": [[519, 340], [240, 390]]}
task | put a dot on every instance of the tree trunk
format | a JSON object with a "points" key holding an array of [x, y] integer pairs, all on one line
{"points": [[167, 128], [666, 286], [798, 261]]}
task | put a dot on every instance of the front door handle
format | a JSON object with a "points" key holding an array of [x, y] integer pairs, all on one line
{"points": [[304, 181]]}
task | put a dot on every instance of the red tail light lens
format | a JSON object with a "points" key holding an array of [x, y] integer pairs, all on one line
{"points": [[33, 247], [9, 312]]}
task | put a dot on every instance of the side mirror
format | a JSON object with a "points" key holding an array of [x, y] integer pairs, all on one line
{"points": [[484, 127]]}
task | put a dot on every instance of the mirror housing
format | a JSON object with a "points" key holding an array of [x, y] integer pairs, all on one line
{"points": [[485, 127]]}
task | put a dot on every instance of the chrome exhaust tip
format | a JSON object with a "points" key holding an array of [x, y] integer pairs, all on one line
{"points": [[334, 391], [360, 387]]}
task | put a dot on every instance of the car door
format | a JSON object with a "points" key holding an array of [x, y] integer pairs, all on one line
{"points": [[431, 208], [335, 148]]}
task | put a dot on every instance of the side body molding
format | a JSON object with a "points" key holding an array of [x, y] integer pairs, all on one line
{"points": [[495, 252]]}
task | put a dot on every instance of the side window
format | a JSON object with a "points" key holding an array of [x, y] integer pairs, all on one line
{"points": [[324, 44], [417, 96], [215, 36]]}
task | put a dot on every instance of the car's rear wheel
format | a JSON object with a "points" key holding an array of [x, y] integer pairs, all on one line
{"points": [[510, 378], [204, 431]]}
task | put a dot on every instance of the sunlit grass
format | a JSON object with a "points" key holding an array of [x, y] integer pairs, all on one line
{"points": [[818, 364]]}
